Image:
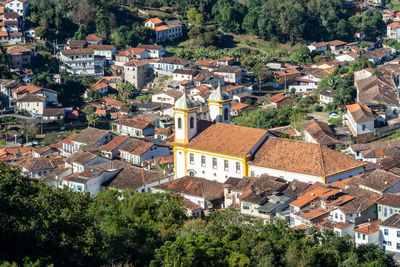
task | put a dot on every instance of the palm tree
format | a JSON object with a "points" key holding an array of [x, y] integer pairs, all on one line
{"points": [[125, 90], [93, 119]]}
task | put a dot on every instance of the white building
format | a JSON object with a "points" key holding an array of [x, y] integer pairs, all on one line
{"points": [[393, 30], [32, 104], [19, 6], [165, 31], [154, 51], [167, 97], [81, 160], [368, 233], [91, 137], [82, 62], [359, 119], [106, 51], [137, 151], [390, 231]]}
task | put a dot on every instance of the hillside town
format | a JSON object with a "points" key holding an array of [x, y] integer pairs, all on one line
{"points": [[311, 138]]}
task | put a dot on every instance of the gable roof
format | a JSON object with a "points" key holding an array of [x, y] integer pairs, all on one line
{"points": [[194, 186], [302, 157], [368, 227], [31, 89], [90, 135], [392, 221], [81, 158], [115, 143], [137, 123], [227, 139], [360, 112], [137, 147], [391, 200], [93, 38], [321, 132], [380, 180], [134, 178], [31, 98]]}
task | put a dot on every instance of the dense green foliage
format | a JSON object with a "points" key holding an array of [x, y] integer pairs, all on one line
{"points": [[45, 226], [279, 20]]}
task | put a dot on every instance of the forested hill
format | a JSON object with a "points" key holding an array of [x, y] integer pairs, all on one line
{"points": [[41, 226], [279, 20]]}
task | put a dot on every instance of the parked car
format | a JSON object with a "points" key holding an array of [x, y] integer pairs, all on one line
{"points": [[334, 115]]}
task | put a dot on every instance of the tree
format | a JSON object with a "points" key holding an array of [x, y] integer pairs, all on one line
{"points": [[126, 90], [92, 119], [29, 129], [83, 13], [191, 15]]}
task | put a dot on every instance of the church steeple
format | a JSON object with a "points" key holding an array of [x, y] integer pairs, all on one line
{"points": [[185, 115], [219, 104]]}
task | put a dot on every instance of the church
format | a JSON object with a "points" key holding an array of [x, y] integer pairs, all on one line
{"points": [[217, 150]]}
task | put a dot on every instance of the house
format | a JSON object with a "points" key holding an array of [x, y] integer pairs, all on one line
{"points": [[319, 132], [337, 45], [393, 31], [154, 51], [135, 127], [20, 56], [103, 85], [81, 160], [91, 179], [82, 62], [111, 149], [207, 64], [231, 74], [168, 64], [53, 115], [238, 109], [131, 54], [326, 96], [7, 85], [32, 104], [19, 6], [319, 47], [209, 195], [359, 119], [347, 57], [381, 182], [183, 74], [381, 55], [225, 61], [167, 97], [137, 72], [390, 231], [136, 179], [91, 137], [306, 162], [94, 39], [37, 167], [373, 152], [368, 233], [136, 151], [106, 51], [165, 31], [67, 147], [51, 95], [286, 76], [280, 100], [388, 205], [233, 90], [307, 82]]}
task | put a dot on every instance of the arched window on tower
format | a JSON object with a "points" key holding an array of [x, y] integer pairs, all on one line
{"points": [[191, 122], [226, 114], [179, 123]]}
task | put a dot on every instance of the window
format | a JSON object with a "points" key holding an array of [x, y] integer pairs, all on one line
{"points": [[336, 216], [341, 216], [389, 243], [386, 231], [214, 161], [358, 235], [252, 174], [191, 122], [237, 167], [363, 236], [391, 211], [191, 158], [291, 209], [379, 208], [398, 246], [398, 233], [385, 212], [363, 127], [179, 123], [203, 161], [226, 114], [226, 165], [246, 206]]}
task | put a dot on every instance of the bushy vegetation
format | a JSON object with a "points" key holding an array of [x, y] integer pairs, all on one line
{"points": [[41, 226]]}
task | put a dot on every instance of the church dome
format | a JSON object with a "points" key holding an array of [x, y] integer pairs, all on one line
{"points": [[185, 102], [219, 95]]}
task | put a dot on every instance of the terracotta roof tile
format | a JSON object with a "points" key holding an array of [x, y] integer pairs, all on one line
{"points": [[368, 227], [302, 157]]}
